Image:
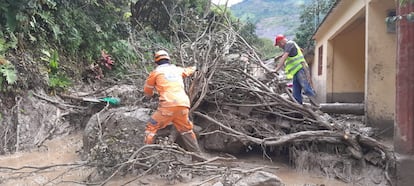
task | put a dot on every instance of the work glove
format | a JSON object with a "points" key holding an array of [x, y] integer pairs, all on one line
{"points": [[150, 102], [154, 97]]}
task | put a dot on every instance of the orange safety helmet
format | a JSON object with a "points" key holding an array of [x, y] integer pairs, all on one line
{"points": [[161, 54], [279, 38]]}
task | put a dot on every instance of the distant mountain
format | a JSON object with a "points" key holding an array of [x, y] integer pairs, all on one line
{"points": [[271, 17]]}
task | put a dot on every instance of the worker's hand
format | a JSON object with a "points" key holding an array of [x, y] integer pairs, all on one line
{"points": [[277, 58], [274, 71], [150, 102]]}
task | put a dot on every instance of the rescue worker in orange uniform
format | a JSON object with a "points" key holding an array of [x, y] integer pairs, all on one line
{"points": [[174, 102]]}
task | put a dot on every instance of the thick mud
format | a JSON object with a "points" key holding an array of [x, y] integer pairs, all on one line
{"points": [[58, 162]]}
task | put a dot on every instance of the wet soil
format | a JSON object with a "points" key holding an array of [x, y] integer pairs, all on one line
{"points": [[40, 167]]}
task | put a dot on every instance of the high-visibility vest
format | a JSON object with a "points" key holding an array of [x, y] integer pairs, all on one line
{"points": [[294, 64]]}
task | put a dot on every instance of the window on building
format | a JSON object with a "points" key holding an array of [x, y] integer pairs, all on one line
{"points": [[320, 57]]}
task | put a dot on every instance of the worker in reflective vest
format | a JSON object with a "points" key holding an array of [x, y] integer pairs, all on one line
{"points": [[174, 103], [296, 68]]}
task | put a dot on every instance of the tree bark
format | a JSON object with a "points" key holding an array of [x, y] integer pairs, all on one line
{"points": [[343, 108]]}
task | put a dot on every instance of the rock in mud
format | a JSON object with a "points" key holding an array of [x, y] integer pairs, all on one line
{"points": [[114, 134], [260, 178]]}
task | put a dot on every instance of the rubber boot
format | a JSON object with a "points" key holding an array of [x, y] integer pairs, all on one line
{"points": [[173, 135], [190, 141]]}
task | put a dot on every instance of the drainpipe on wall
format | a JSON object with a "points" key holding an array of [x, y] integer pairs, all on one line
{"points": [[404, 105]]}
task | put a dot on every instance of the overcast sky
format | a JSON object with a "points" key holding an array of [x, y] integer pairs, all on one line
{"points": [[222, 2]]}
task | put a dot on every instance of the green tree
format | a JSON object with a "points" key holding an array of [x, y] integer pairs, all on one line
{"points": [[311, 17], [78, 29], [404, 2], [247, 31], [162, 15]]}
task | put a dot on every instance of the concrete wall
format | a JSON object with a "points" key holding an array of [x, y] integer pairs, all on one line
{"points": [[380, 67], [344, 15], [359, 57]]}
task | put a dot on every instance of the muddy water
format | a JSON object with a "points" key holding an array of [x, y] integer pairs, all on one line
{"points": [[56, 152], [288, 175], [63, 151]]}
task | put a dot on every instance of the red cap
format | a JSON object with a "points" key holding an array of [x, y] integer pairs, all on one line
{"points": [[279, 38]]}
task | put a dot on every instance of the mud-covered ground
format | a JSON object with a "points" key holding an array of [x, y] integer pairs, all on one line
{"points": [[43, 143], [59, 162], [50, 143]]}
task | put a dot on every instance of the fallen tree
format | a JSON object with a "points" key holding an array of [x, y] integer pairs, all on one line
{"points": [[238, 107], [343, 108], [226, 93], [235, 109]]}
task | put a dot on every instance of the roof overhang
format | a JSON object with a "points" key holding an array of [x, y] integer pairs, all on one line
{"points": [[342, 14]]}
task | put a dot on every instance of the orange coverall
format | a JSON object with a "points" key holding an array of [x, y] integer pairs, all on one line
{"points": [[174, 103]]}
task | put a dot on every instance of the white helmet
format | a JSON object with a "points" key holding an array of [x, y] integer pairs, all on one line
{"points": [[161, 54]]}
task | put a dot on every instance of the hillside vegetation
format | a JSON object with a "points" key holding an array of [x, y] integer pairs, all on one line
{"points": [[271, 16], [64, 42], [297, 20]]}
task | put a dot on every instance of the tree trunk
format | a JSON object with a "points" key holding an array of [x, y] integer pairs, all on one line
{"points": [[343, 108]]}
